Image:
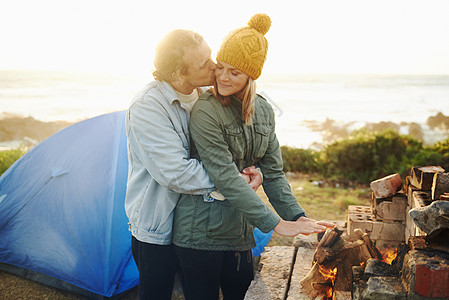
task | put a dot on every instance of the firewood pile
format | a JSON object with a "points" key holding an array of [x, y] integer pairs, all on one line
{"points": [[334, 257]]}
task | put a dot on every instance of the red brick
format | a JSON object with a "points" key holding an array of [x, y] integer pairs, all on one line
{"points": [[386, 186], [440, 283], [426, 274], [423, 277]]}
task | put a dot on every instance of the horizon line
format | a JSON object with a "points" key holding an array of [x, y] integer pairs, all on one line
{"points": [[266, 74]]}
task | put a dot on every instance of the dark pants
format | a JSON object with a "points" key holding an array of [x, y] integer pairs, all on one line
{"points": [[206, 271], [157, 266]]}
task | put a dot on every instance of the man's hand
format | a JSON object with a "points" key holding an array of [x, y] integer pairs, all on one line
{"points": [[253, 177]]}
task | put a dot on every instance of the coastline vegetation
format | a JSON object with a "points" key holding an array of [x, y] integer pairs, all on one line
{"points": [[366, 156], [8, 157], [326, 182]]}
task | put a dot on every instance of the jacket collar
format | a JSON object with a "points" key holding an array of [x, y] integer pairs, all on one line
{"points": [[168, 91]]}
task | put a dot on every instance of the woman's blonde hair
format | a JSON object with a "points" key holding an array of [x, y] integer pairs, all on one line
{"points": [[247, 96]]}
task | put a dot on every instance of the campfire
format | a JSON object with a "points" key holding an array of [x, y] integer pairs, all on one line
{"points": [[334, 258], [397, 248]]}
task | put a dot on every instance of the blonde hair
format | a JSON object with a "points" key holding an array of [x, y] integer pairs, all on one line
{"points": [[168, 60], [248, 96]]}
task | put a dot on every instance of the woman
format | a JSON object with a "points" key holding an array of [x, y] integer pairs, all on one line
{"points": [[233, 128]]}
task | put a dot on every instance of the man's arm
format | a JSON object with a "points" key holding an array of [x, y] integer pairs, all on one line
{"points": [[159, 147], [253, 176]]}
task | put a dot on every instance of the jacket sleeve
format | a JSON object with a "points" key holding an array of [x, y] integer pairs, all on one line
{"points": [[213, 150], [275, 184], [159, 147]]}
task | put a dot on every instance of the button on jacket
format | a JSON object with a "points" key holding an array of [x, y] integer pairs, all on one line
{"points": [[160, 168], [226, 146]]}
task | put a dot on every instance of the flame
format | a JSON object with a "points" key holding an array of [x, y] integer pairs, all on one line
{"points": [[389, 254], [329, 275]]}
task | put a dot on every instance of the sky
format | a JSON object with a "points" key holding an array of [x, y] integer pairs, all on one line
{"points": [[314, 36]]}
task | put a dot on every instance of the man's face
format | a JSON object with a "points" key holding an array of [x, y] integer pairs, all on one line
{"points": [[200, 69]]}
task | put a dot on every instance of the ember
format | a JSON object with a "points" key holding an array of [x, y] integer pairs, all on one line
{"points": [[389, 254]]}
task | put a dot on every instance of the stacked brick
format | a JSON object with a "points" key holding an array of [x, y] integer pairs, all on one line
{"points": [[425, 268], [384, 220], [387, 219]]}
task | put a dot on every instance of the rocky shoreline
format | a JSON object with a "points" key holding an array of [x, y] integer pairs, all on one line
{"points": [[26, 131], [18, 131], [436, 129]]}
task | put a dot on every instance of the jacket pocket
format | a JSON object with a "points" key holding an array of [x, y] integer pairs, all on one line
{"points": [[235, 140], [261, 139], [224, 222]]}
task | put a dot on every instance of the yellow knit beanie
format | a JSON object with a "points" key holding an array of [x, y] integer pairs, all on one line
{"points": [[246, 48]]}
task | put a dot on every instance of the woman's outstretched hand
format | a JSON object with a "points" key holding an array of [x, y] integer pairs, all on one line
{"points": [[303, 225]]}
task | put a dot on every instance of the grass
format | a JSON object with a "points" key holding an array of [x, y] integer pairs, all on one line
{"points": [[321, 200], [8, 157]]}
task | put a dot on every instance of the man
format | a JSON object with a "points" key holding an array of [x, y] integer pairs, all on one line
{"points": [[160, 167]]}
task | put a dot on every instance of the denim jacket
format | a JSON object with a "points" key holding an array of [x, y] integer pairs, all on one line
{"points": [[160, 167]]}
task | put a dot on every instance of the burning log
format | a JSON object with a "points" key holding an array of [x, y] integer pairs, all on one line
{"points": [[313, 283], [374, 252], [333, 260]]}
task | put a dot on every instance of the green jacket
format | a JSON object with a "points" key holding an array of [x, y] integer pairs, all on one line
{"points": [[226, 146]]}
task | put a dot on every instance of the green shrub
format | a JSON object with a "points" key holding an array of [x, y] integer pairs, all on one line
{"points": [[366, 156], [442, 148], [8, 157], [300, 160]]}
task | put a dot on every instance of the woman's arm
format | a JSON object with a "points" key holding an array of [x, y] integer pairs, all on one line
{"points": [[217, 159], [275, 184]]}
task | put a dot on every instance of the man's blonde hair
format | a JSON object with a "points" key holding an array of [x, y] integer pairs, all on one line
{"points": [[168, 60]]}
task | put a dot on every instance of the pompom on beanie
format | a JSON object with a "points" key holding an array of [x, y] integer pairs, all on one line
{"points": [[246, 48]]}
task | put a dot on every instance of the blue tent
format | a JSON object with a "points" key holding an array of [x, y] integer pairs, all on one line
{"points": [[62, 217], [62, 209]]}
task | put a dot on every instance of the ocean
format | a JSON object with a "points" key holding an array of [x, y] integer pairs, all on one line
{"points": [[301, 102]]}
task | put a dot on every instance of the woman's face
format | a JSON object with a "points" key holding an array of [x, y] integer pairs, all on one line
{"points": [[230, 80]]}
